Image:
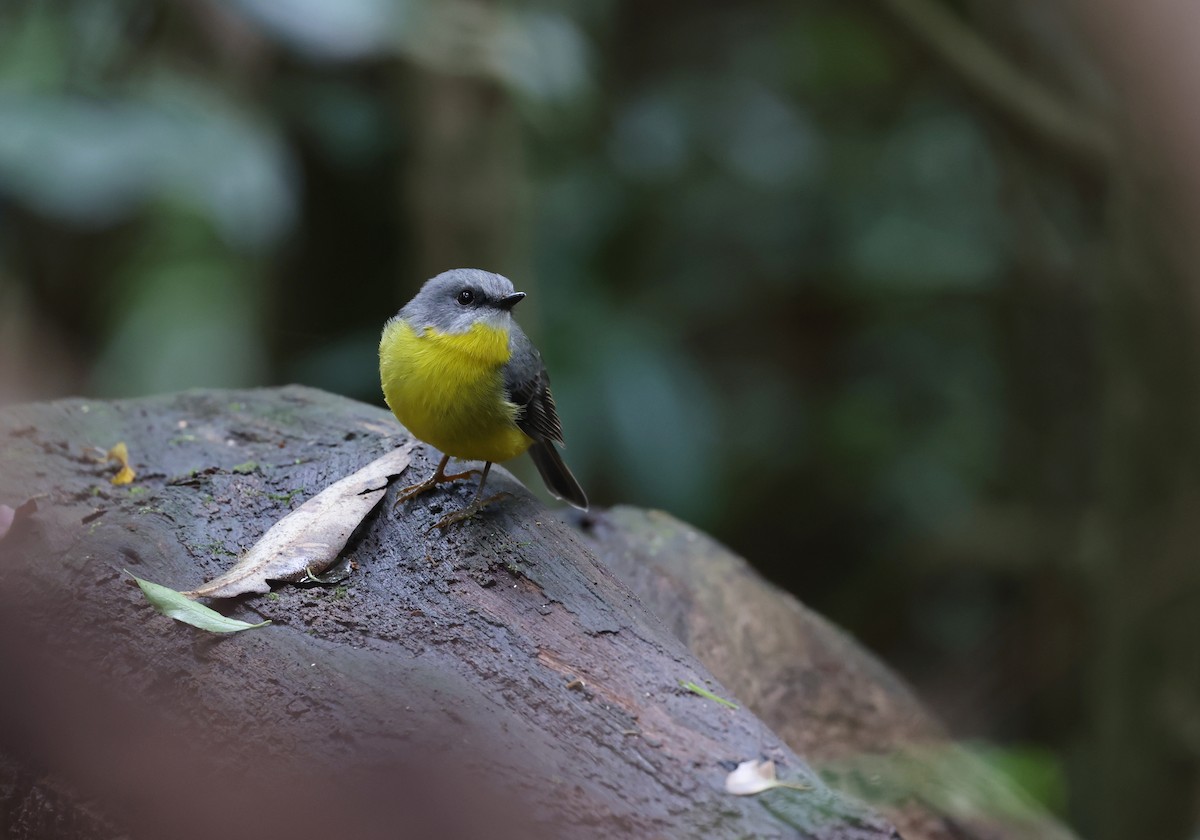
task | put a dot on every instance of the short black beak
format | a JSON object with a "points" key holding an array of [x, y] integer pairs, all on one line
{"points": [[509, 301]]}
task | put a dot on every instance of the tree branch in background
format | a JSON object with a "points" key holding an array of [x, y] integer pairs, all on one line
{"points": [[1021, 98]]}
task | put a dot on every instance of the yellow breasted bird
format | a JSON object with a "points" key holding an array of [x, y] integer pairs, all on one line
{"points": [[460, 374]]}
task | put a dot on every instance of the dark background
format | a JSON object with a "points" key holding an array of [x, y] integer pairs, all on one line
{"points": [[898, 298]]}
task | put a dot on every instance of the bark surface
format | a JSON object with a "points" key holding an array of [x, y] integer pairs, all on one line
{"points": [[493, 681], [855, 722]]}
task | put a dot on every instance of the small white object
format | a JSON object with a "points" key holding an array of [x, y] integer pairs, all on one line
{"points": [[751, 777]]}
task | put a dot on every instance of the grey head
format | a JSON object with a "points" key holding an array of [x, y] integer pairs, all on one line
{"points": [[456, 300]]}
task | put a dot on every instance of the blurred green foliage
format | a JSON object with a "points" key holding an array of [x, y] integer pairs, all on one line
{"points": [[1034, 770], [791, 282]]}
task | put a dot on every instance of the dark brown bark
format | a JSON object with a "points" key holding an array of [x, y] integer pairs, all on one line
{"points": [[494, 681], [851, 718]]}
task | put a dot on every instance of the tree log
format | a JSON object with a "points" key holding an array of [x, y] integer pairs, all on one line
{"points": [[498, 680], [494, 681], [856, 723]]}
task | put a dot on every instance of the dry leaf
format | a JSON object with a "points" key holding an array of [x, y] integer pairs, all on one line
{"points": [[754, 776], [751, 777], [120, 454], [307, 541]]}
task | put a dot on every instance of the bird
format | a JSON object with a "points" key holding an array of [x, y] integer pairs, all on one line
{"points": [[461, 375]]}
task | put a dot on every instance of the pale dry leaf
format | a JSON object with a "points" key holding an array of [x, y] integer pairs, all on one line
{"points": [[755, 776], [308, 540], [751, 777]]}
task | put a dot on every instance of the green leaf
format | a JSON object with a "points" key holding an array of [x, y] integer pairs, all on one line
{"points": [[179, 607], [704, 692]]}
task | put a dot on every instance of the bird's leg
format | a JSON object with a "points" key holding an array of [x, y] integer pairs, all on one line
{"points": [[477, 504], [439, 477]]}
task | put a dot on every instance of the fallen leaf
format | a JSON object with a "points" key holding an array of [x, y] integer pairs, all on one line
{"points": [[704, 692], [120, 454], [755, 776], [308, 540], [11, 516], [334, 574], [176, 605]]}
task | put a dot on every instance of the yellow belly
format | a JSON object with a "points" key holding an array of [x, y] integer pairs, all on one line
{"points": [[448, 390]]}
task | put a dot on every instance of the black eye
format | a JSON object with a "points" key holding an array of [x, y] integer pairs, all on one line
{"points": [[466, 297]]}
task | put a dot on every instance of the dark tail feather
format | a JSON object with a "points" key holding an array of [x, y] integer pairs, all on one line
{"points": [[558, 478]]}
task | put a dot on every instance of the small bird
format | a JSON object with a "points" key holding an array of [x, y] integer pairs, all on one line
{"points": [[460, 374]]}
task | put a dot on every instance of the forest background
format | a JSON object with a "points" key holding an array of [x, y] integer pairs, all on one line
{"points": [[900, 299]]}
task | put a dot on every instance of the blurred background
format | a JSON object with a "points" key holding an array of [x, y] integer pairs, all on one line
{"points": [[899, 298]]}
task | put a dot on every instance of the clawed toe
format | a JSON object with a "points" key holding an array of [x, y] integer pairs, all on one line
{"points": [[439, 477], [466, 513]]}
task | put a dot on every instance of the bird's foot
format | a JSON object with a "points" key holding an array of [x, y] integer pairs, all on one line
{"points": [[439, 477], [467, 512]]}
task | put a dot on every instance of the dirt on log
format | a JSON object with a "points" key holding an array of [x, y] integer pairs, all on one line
{"points": [[493, 681]]}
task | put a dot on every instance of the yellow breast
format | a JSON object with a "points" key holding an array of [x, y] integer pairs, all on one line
{"points": [[448, 390]]}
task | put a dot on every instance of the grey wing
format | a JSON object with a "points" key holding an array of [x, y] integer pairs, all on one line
{"points": [[528, 387]]}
